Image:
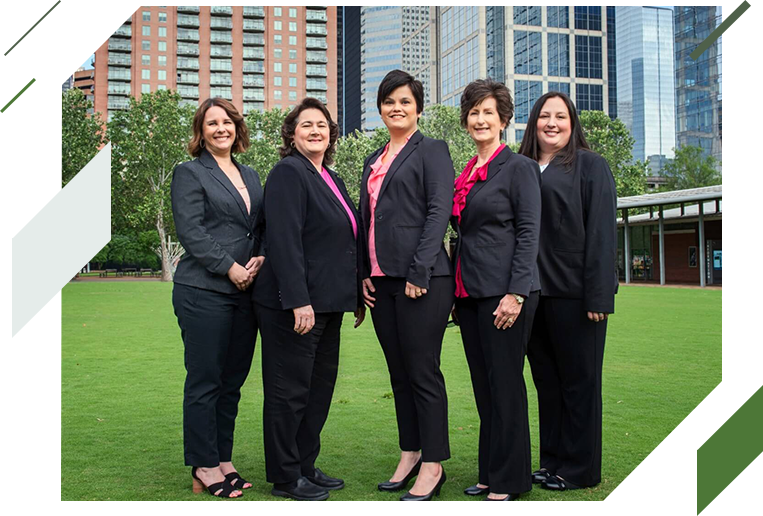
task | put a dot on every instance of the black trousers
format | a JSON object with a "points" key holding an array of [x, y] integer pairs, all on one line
{"points": [[566, 353], [298, 377], [219, 332], [496, 362], [410, 332]]}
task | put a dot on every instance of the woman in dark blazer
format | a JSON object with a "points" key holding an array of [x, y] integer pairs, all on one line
{"points": [[578, 249], [216, 205], [309, 280], [496, 215], [405, 202]]}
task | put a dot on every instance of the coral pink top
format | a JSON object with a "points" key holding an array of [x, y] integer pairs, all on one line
{"points": [[463, 186], [330, 181], [375, 180]]}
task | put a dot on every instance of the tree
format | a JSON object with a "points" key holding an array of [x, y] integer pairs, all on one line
{"points": [[691, 169], [81, 133], [612, 140], [148, 140], [265, 140], [444, 123]]}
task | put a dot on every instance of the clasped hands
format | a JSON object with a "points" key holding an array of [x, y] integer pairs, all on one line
{"points": [[411, 291], [243, 276]]}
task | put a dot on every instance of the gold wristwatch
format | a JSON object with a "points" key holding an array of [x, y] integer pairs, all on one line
{"points": [[520, 299]]}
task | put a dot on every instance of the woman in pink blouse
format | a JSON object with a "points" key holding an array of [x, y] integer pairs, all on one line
{"points": [[405, 202], [496, 214]]}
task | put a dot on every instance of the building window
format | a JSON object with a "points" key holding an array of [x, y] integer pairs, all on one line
{"points": [[146, 74], [588, 57], [559, 54], [292, 67], [292, 12], [292, 95], [292, 82], [589, 97], [292, 26], [277, 81], [277, 106], [277, 94], [563, 87], [277, 67], [558, 17], [146, 30], [162, 87], [277, 53], [527, 15], [527, 53], [277, 11], [292, 53], [277, 39], [588, 18], [162, 32], [145, 45], [519, 135], [292, 40], [162, 46], [525, 95], [145, 88], [277, 25], [146, 15], [162, 17], [162, 60], [145, 59], [162, 75]]}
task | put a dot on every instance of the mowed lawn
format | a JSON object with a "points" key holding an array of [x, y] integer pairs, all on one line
{"points": [[122, 386]]}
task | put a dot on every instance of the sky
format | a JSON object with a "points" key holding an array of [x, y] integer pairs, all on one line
{"points": [[725, 11]]}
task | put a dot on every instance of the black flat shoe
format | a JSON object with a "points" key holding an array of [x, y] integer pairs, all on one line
{"points": [[236, 481], [408, 497], [541, 476], [397, 486], [557, 483], [224, 487], [476, 491], [509, 498], [323, 480], [301, 489]]}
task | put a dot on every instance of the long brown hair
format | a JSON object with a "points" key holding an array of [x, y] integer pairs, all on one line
{"points": [[531, 147], [289, 127], [240, 144]]}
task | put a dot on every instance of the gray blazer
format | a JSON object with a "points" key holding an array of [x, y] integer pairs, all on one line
{"points": [[212, 223]]}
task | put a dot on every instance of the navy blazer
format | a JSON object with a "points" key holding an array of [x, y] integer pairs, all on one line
{"points": [[311, 248], [412, 211], [499, 230], [578, 241], [212, 223]]}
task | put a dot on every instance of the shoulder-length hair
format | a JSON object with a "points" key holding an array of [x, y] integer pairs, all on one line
{"points": [[240, 144], [290, 126], [531, 147], [478, 91]]}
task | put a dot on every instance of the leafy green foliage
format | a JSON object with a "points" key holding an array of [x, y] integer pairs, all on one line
{"points": [[265, 140], [691, 169], [444, 123], [81, 133], [612, 140]]}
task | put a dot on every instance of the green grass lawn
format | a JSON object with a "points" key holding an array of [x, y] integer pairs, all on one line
{"points": [[122, 385]]}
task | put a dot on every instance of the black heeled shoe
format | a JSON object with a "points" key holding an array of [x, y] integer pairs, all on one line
{"points": [[557, 483], [237, 481], [408, 497], [224, 487], [541, 476], [475, 490], [397, 486]]}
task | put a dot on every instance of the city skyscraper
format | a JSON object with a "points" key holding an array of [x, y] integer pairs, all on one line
{"points": [[646, 81], [257, 57], [350, 98], [698, 83]]}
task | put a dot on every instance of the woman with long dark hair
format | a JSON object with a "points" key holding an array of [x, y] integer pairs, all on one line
{"points": [[578, 246]]}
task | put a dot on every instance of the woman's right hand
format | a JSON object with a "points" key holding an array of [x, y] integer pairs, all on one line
{"points": [[304, 319], [368, 288], [239, 276]]}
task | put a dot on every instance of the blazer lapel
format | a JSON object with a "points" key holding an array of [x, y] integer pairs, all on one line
{"points": [[404, 153], [323, 186], [208, 161], [493, 169]]}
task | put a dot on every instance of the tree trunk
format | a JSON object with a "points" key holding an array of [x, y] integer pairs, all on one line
{"points": [[166, 274]]}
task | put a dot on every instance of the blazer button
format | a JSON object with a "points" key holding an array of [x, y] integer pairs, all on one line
{"points": [[379, 217], [249, 236]]}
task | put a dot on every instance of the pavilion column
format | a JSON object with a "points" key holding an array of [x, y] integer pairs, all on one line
{"points": [[702, 264], [627, 245], [662, 247]]}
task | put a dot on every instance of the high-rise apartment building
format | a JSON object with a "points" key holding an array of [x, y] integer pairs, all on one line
{"points": [[257, 57], [646, 81], [350, 77], [698, 83]]}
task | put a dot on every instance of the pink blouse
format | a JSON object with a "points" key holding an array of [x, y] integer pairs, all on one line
{"points": [[330, 181]]}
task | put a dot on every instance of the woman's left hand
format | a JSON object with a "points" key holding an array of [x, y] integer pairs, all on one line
{"points": [[360, 315], [413, 291], [254, 265], [507, 312], [597, 316]]}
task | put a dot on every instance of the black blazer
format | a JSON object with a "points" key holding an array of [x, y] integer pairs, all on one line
{"points": [[311, 248], [578, 242], [499, 230], [412, 211], [212, 223]]}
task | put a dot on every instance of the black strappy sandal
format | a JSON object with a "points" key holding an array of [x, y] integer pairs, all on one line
{"points": [[238, 482], [224, 488]]}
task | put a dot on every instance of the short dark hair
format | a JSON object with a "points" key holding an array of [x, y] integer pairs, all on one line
{"points": [[240, 144], [478, 91], [290, 126], [393, 80], [531, 147]]}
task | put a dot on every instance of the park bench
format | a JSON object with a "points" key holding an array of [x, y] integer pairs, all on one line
{"points": [[105, 274]]}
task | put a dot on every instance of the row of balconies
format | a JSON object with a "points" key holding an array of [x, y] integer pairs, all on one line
{"points": [[254, 39], [316, 84], [119, 88], [254, 94], [118, 103], [120, 59], [188, 78], [254, 80], [316, 71], [254, 53], [217, 36], [188, 35], [316, 57], [319, 16], [317, 95], [124, 31], [316, 43], [254, 25], [120, 45], [315, 30], [119, 74], [253, 106]]}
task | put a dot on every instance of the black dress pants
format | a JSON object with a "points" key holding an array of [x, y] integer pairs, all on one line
{"points": [[298, 377], [496, 362], [410, 332], [219, 331], [566, 353]]}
